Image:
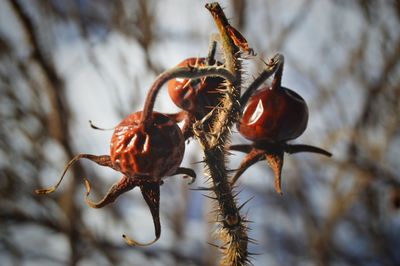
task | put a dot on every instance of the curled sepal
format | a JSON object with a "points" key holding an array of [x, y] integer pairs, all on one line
{"points": [[151, 194], [275, 162], [187, 172], [103, 160], [120, 187]]}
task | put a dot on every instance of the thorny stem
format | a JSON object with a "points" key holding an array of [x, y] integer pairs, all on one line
{"points": [[214, 139], [178, 72]]}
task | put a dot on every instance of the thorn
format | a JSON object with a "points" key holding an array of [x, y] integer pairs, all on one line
{"points": [[244, 203], [237, 193], [254, 253], [252, 241], [210, 197], [201, 189], [214, 245]]}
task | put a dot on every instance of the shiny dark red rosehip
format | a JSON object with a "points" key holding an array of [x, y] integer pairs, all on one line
{"points": [[154, 152], [274, 115], [197, 96]]}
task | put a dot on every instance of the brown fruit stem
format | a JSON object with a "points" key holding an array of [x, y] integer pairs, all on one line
{"points": [[271, 68], [276, 82], [178, 72]]}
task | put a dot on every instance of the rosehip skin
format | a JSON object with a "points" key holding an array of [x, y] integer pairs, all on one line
{"points": [[154, 153], [274, 115], [197, 96]]}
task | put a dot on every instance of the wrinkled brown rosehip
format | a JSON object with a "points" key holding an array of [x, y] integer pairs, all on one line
{"points": [[155, 153], [144, 151]]}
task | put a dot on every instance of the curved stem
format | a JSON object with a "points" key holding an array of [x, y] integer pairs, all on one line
{"points": [[179, 72], [271, 67], [211, 51], [276, 82]]}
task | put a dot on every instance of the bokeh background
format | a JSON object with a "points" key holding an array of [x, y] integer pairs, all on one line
{"points": [[63, 63]]}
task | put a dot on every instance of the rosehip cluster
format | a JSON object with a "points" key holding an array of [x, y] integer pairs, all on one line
{"points": [[148, 146]]}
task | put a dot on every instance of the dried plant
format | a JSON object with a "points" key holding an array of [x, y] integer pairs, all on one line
{"points": [[148, 146]]}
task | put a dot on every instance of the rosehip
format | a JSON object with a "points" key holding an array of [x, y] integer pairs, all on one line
{"points": [[274, 115], [196, 96], [146, 147], [155, 152]]}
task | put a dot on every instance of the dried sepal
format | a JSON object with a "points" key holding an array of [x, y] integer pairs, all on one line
{"points": [[151, 194], [123, 185], [275, 161], [187, 173], [251, 158], [103, 160]]}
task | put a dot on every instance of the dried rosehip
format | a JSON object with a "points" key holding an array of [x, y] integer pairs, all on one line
{"points": [[145, 150], [155, 152], [274, 115], [146, 147], [196, 96]]}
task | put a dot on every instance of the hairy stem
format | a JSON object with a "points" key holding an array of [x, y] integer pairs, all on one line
{"points": [[276, 83], [271, 67], [214, 138]]}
